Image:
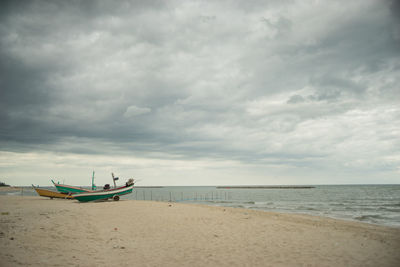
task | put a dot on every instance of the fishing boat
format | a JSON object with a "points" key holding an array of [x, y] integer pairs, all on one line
{"points": [[63, 188], [105, 194], [51, 194]]}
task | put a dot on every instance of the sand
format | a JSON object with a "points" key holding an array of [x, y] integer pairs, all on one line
{"points": [[42, 232]]}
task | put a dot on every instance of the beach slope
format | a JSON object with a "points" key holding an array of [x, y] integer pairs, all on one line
{"points": [[42, 232]]}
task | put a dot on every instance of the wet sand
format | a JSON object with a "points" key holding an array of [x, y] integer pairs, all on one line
{"points": [[42, 232]]}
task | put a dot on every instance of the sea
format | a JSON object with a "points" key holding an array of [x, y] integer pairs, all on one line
{"points": [[374, 204]]}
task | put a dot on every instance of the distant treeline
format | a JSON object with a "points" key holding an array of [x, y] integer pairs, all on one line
{"points": [[3, 184]]}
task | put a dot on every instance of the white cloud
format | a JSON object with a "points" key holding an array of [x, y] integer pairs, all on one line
{"points": [[133, 111]]}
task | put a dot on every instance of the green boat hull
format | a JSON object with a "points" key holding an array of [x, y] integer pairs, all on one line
{"points": [[102, 195], [69, 189]]}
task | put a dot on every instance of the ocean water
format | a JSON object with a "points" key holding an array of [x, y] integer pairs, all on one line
{"points": [[376, 204]]}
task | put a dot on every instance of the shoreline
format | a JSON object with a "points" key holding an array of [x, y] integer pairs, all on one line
{"points": [[20, 191], [45, 232]]}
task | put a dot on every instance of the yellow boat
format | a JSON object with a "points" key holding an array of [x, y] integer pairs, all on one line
{"points": [[51, 194]]}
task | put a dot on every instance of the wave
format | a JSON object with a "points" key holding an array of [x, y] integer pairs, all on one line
{"points": [[261, 203], [369, 217], [337, 204], [305, 208], [390, 208], [248, 202], [392, 205]]}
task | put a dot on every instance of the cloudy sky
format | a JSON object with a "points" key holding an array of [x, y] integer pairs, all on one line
{"points": [[200, 92]]}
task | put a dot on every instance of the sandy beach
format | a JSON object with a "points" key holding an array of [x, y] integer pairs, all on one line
{"points": [[42, 232]]}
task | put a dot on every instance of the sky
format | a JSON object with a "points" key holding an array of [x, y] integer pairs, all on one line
{"points": [[200, 92]]}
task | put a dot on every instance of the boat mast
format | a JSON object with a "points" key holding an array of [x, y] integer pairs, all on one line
{"points": [[114, 179], [93, 185]]}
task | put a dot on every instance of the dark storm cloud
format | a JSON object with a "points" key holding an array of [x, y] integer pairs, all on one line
{"points": [[395, 8], [23, 99], [240, 80], [30, 60]]}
